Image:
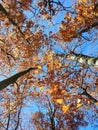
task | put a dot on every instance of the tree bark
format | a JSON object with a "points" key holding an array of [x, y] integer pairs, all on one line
{"points": [[12, 79]]}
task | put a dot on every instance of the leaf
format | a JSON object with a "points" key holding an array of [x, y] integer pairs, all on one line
{"points": [[78, 101], [39, 67], [96, 103], [59, 101], [65, 108], [16, 52], [41, 87], [63, 92], [82, 1], [79, 105], [30, 76]]}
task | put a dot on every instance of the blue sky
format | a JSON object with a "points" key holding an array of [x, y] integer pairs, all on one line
{"points": [[88, 128]]}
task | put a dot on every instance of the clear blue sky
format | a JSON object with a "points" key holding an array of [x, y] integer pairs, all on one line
{"points": [[88, 128]]}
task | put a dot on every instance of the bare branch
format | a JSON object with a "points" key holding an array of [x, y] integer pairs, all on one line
{"points": [[88, 95], [8, 121], [18, 117]]}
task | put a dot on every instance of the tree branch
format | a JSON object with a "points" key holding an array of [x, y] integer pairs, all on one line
{"points": [[3, 10], [8, 123], [88, 95], [18, 117], [86, 29], [12, 79]]}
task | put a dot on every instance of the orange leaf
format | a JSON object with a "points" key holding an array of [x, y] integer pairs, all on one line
{"points": [[79, 105], [59, 101], [65, 108], [41, 87]]}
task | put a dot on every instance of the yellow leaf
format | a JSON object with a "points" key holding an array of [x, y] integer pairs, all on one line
{"points": [[79, 100], [85, 0], [35, 58], [27, 36], [96, 103], [7, 111], [36, 71], [65, 108], [79, 0], [39, 67], [82, 1], [16, 52], [59, 101], [63, 92], [41, 87], [79, 105]]}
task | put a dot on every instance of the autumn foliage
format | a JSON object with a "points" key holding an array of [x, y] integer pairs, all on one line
{"points": [[47, 80]]}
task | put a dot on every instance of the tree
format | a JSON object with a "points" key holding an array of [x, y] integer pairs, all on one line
{"points": [[12, 79], [42, 62]]}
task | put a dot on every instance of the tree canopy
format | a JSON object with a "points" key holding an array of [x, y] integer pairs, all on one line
{"points": [[48, 64]]}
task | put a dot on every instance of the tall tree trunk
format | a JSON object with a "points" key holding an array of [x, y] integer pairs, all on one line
{"points": [[12, 79]]}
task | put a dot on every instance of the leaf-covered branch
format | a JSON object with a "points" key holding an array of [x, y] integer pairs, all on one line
{"points": [[86, 29], [7, 15], [3, 10]]}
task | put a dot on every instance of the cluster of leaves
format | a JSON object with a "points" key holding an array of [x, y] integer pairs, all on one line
{"points": [[63, 90], [75, 24]]}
